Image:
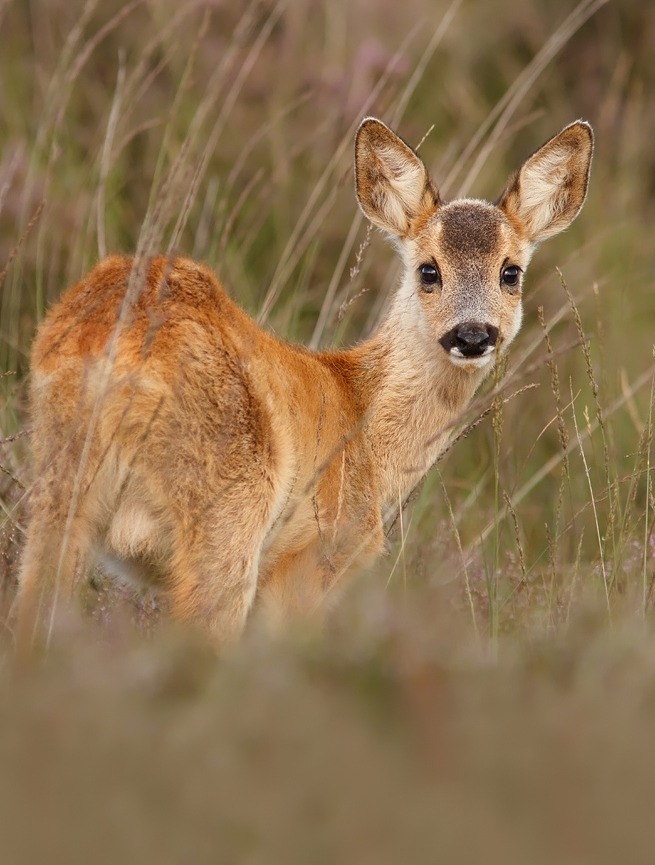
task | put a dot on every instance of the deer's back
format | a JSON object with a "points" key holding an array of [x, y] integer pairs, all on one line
{"points": [[135, 313], [193, 393]]}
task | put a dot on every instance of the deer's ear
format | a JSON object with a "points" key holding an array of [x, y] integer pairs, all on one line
{"points": [[392, 184], [547, 192]]}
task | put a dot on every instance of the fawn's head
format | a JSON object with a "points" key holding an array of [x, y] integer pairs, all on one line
{"points": [[464, 260]]}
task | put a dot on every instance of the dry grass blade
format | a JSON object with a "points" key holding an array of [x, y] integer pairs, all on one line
{"points": [[592, 499], [521, 87], [307, 224], [32, 222], [526, 488], [105, 157]]}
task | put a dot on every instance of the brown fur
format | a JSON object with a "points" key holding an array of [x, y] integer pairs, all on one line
{"points": [[191, 448]]}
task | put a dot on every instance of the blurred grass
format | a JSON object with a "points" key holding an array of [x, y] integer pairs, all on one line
{"points": [[385, 748], [486, 691]]}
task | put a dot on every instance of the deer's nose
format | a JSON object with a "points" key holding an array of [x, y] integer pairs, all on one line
{"points": [[470, 339]]}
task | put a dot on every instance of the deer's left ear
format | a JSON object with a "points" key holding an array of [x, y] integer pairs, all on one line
{"points": [[392, 184], [546, 194]]}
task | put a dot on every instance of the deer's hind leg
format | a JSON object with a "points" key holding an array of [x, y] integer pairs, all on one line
{"points": [[215, 562], [65, 503], [203, 540], [60, 535], [226, 484]]}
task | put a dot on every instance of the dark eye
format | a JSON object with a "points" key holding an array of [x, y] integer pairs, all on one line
{"points": [[430, 276], [511, 276]]}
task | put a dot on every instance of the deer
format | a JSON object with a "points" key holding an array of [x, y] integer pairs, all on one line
{"points": [[182, 445]]}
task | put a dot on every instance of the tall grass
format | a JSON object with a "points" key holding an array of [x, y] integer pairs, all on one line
{"points": [[518, 570]]}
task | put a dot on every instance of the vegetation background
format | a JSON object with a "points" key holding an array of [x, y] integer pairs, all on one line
{"points": [[487, 693]]}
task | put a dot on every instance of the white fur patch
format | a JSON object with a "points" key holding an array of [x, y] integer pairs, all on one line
{"points": [[483, 360], [133, 530]]}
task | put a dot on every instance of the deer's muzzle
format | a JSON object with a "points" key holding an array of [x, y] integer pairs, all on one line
{"points": [[470, 339]]}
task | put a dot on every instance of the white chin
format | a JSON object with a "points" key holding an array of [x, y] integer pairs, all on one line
{"points": [[471, 362]]}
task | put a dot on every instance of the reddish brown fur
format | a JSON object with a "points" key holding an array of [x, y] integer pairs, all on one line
{"points": [[194, 449]]}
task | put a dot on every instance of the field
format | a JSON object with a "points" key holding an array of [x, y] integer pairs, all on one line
{"points": [[487, 692]]}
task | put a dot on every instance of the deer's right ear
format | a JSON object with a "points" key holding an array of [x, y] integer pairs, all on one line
{"points": [[392, 184], [548, 191]]}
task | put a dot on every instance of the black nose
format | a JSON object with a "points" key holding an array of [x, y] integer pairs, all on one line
{"points": [[470, 339]]}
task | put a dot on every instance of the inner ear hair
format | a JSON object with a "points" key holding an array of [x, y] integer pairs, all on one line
{"points": [[392, 183], [547, 192]]}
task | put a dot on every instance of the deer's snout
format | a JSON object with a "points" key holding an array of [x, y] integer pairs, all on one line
{"points": [[470, 339]]}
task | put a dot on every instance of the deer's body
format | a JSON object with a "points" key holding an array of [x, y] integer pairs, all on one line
{"points": [[180, 442]]}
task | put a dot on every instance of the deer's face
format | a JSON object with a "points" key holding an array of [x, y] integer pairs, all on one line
{"points": [[464, 260], [464, 270]]}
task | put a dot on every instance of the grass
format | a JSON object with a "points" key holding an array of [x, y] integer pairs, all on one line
{"points": [[485, 693]]}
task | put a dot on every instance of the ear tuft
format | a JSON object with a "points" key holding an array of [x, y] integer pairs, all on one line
{"points": [[392, 184], [548, 191]]}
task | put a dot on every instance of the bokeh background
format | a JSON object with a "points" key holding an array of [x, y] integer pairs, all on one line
{"points": [[486, 691]]}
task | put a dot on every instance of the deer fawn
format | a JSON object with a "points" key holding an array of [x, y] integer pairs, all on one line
{"points": [[178, 442]]}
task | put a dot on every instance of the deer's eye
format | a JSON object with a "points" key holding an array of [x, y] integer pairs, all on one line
{"points": [[510, 276], [429, 276]]}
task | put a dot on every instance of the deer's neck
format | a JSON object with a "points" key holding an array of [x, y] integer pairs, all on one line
{"points": [[413, 398]]}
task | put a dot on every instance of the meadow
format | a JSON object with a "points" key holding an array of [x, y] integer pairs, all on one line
{"points": [[487, 692]]}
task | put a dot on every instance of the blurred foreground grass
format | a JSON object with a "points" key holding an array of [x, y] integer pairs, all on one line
{"points": [[486, 693], [373, 750]]}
